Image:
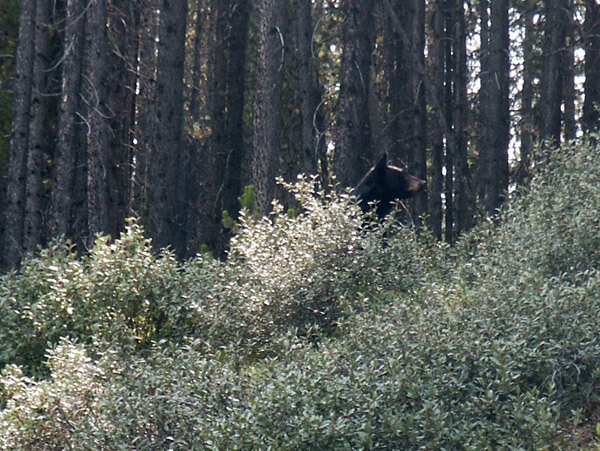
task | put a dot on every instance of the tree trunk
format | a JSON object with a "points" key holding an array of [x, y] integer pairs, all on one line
{"points": [[353, 153], [224, 154], [527, 118], [464, 203], [449, 106], [307, 87], [198, 56], [98, 114], [419, 108], [234, 117], [68, 136], [121, 61], [568, 69], [145, 103], [208, 205], [436, 189], [591, 39], [500, 66], [15, 191], [165, 207], [267, 103], [34, 195], [494, 107], [551, 83], [484, 161]]}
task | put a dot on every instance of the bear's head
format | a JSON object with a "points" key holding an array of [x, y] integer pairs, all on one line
{"points": [[386, 184]]}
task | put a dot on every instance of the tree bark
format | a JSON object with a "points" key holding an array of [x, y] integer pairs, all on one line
{"points": [[34, 193], [568, 69], [307, 86], [224, 152], [196, 77], [464, 203], [97, 118], [234, 154], [527, 117], [267, 103], [165, 207], [449, 106], [591, 40], [551, 83], [353, 152], [68, 137], [121, 62], [15, 191], [145, 103], [419, 108], [436, 189], [494, 109]]}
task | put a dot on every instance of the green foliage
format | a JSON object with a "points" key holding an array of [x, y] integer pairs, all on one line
{"points": [[533, 280], [119, 293], [303, 271], [61, 412], [249, 207], [320, 331], [227, 220], [248, 201]]}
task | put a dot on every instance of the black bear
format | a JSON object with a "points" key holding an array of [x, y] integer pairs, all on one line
{"points": [[385, 184]]}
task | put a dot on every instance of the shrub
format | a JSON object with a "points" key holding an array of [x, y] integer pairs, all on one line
{"points": [[62, 412], [119, 293], [304, 271]]}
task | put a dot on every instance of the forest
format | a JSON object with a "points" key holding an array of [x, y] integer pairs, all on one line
{"points": [[113, 109], [183, 265]]}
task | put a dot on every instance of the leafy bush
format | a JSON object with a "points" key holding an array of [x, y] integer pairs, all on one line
{"points": [[119, 293], [304, 271], [59, 413], [536, 274]]}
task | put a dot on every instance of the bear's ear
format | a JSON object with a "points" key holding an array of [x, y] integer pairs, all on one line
{"points": [[381, 165]]}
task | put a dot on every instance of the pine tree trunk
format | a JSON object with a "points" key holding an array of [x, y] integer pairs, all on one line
{"points": [[208, 207], [568, 69], [419, 108], [464, 203], [353, 152], [121, 58], [224, 153], [196, 82], [15, 190], [308, 89], [165, 208], [501, 69], [527, 119], [267, 103], [68, 146], [98, 114], [449, 106], [551, 83], [145, 103], [494, 108], [35, 159], [436, 208], [234, 117], [591, 31]]}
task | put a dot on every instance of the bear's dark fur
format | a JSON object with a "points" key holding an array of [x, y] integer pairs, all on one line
{"points": [[385, 184]]}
